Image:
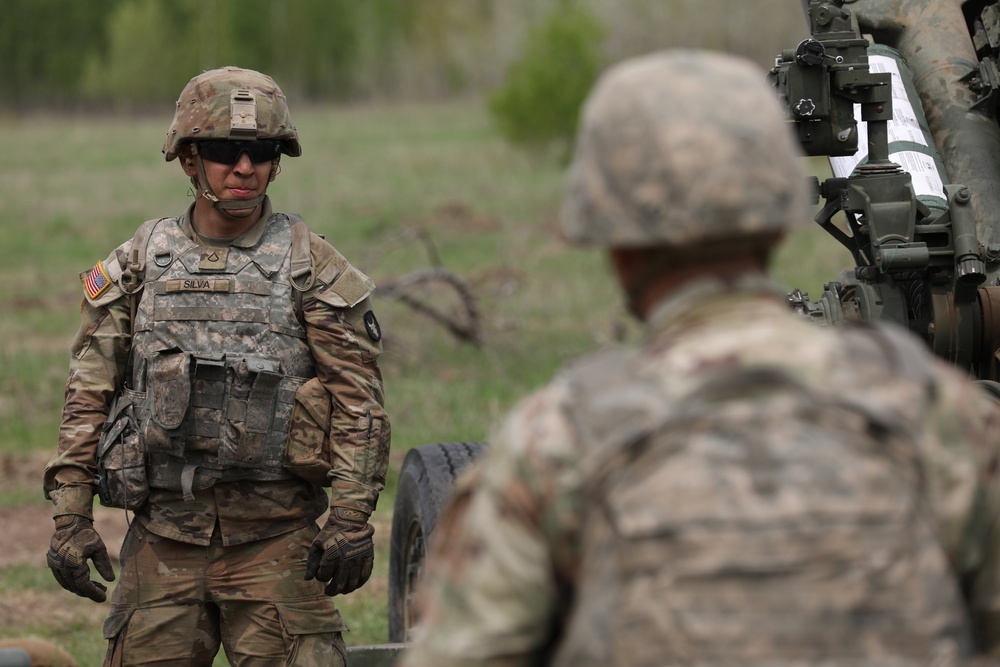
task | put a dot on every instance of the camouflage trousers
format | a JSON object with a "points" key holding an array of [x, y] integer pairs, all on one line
{"points": [[176, 603]]}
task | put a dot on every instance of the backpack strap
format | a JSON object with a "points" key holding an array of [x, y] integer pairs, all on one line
{"points": [[612, 405], [303, 274], [905, 354], [134, 273]]}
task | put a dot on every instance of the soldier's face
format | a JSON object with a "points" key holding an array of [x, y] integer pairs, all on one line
{"points": [[242, 180]]}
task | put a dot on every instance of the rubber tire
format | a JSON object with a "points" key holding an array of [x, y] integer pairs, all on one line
{"points": [[425, 483]]}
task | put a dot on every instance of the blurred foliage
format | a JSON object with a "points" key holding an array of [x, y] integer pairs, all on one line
{"points": [[313, 47], [43, 44], [140, 53], [539, 104]]}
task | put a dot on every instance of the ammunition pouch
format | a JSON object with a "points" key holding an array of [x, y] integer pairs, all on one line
{"points": [[245, 440], [169, 394], [308, 448], [121, 464], [210, 418]]}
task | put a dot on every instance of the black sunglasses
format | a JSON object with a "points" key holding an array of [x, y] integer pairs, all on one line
{"points": [[228, 152]]}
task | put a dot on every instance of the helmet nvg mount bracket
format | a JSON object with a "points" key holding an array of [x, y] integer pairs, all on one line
{"points": [[244, 115]]}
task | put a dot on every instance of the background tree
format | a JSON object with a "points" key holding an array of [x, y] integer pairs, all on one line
{"points": [[139, 53], [43, 44], [539, 103]]}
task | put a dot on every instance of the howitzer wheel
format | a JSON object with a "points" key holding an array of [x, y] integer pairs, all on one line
{"points": [[989, 362], [425, 483]]}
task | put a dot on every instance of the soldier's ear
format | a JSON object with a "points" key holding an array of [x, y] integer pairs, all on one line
{"points": [[186, 159], [275, 169], [627, 263]]}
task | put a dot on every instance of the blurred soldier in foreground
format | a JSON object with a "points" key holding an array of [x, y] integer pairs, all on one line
{"points": [[224, 373], [745, 488]]}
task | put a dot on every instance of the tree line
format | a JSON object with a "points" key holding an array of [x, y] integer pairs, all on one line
{"points": [[135, 53]]}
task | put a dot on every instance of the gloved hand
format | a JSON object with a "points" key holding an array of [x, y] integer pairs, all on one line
{"points": [[74, 542], [342, 553]]}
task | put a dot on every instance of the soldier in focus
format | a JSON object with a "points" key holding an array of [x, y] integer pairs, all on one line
{"points": [[744, 488], [225, 372]]}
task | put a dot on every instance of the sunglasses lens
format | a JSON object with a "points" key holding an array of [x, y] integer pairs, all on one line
{"points": [[228, 152]]}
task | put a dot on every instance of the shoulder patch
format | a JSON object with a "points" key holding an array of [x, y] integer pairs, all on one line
{"points": [[372, 327], [97, 281], [349, 289]]}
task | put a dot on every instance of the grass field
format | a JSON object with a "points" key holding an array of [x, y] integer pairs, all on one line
{"points": [[396, 190]]}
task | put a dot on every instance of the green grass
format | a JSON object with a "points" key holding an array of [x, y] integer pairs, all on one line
{"points": [[31, 389], [374, 180]]}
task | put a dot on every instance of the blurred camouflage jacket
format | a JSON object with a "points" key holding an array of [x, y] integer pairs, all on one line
{"points": [[334, 339], [627, 516]]}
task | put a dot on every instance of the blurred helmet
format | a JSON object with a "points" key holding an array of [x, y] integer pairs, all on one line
{"points": [[681, 147], [231, 103], [38, 652]]}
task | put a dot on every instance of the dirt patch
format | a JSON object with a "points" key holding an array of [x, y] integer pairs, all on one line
{"points": [[33, 608], [460, 216], [30, 527], [23, 471]]}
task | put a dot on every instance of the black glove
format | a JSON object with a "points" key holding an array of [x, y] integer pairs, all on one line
{"points": [[74, 542], [342, 553]]}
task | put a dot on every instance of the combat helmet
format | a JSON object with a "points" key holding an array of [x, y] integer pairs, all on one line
{"points": [[681, 147], [230, 104]]}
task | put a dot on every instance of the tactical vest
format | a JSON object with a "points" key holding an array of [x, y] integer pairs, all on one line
{"points": [[217, 354], [754, 522]]}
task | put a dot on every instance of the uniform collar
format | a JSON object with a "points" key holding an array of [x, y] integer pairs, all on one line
{"points": [[691, 296], [248, 239]]}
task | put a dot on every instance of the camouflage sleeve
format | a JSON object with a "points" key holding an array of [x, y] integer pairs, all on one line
{"points": [[498, 569], [963, 462], [98, 361], [345, 339]]}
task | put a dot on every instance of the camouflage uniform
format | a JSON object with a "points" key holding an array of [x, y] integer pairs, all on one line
{"points": [[237, 364], [744, 488]]}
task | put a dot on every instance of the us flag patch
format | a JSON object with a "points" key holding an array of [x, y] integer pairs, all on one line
{"points": [[97, 281]]}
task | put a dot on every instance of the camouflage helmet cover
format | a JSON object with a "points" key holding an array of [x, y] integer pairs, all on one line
{"points": [[231, 103], [679, 147]]}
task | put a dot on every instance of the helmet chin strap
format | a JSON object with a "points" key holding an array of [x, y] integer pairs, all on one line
{"points": [[205, 191]]}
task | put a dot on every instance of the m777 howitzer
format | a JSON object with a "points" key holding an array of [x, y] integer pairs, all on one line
{"points": [[902, 95]]}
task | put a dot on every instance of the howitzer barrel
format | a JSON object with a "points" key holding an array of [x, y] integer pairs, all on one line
{"points": [[933, 38]]}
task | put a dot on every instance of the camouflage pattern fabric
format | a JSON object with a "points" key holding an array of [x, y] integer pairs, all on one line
{"points": [[555, 552], [163, 610], [228, 415], [662, 159], [204, 111]]}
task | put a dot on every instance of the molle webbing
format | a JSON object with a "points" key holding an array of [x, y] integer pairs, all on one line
{"points": [[756, 506], [219, 344], [301, 262], [229, 418]]}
